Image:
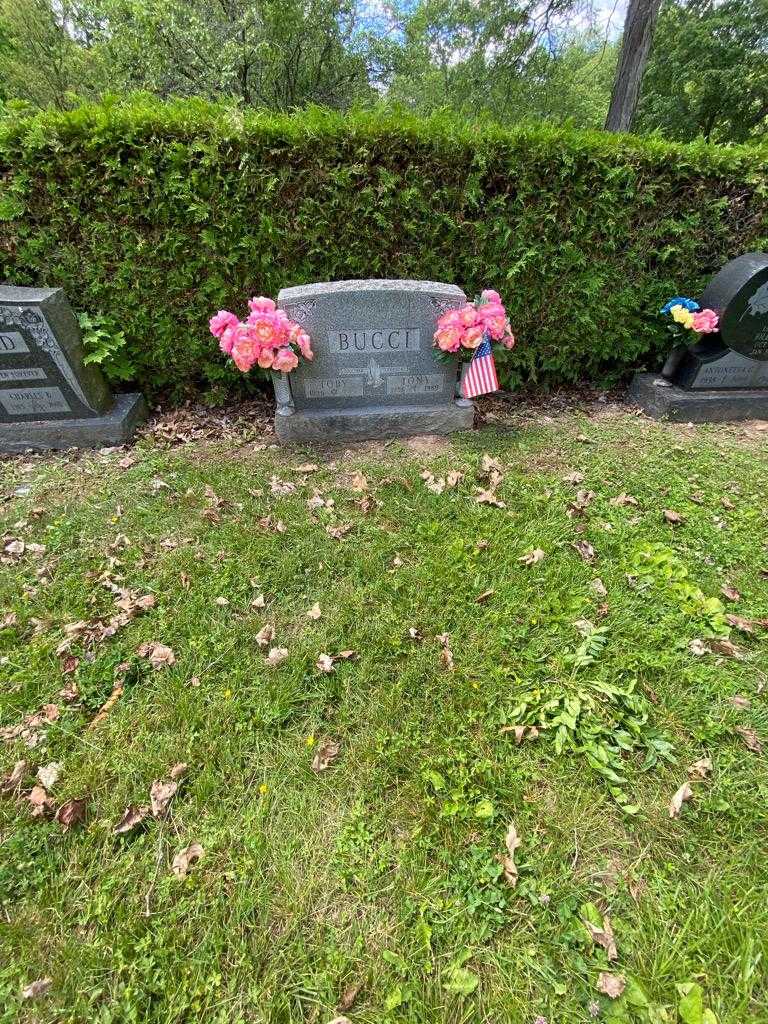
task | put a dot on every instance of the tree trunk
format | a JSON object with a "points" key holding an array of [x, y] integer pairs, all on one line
{"points": [[635, 47]]}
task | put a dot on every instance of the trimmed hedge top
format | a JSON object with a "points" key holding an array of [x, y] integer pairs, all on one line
{"points": [[154, 216]]}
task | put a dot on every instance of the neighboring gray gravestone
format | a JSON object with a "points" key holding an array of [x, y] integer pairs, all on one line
{"points": [[374, 372], [724, 376], [48, 397]]}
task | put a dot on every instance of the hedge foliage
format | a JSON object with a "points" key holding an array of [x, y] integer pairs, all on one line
{"points": [[153, 216]]}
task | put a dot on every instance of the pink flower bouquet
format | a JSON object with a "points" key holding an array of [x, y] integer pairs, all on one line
{"points": [[267, 338], [461, 331]]}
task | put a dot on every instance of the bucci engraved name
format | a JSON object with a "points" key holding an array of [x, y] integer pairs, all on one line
{"points": [[379, 340]]}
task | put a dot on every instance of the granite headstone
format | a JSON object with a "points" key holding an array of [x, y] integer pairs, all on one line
{"points": [[49, 398], [724, 376], [374, 372]]}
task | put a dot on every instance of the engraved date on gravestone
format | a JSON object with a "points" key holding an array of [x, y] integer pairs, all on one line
{"points": [[416, 384], [378, 340], [12, 342], [26, 401], [333, 387]]}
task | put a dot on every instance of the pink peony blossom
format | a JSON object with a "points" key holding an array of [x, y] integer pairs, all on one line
{"points": [[266, 357], [468, 315], [285, 360], [473, 336], [305, 345], [489, 295], [227, 338], [244, 351], [449, 338], [219, 323], [508, 341], [261, 305], [267, 329], [705, 321]]}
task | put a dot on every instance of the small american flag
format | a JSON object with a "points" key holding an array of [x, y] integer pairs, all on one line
{"points": [[480, 378]]}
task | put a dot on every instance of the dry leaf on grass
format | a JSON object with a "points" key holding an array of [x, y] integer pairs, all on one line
{"points": [[71, 813], [598, 588], [326, 755], [11, 783], [584, 549], [48, 775], [359, 482], [276, 656], [482, 598], [280, 487], [573, 478], [340, 1020], [108, 704], [611, 985], [726, 648], [185, 858], [265, 635], [305, 467], [158, 654], [520, 732], [676, 803], [162, 791], [511, 841], [604, 937], [338, 532], [324, 663], [488, 497], [624, 499], [730, 593], [446, 654], [314, 612], [133, 815], [701, 769], [40, 803], [672, 517], [349, 996], [532, 557], [697, 647], [740, 703], [751, 739], [259, 601], [739, 622], [37, 988], [580, 504]]}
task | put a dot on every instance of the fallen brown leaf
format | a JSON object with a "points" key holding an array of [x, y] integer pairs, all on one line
{"points": [[48, 775], [162, 791], [338, 532], [751, 739], [584, 549], [511, 842], [604, 937], [676, 803], [314, 612], [158, 654], [71, 813], [532, 557], [726, 648], [624, 499], [108, 704], [133, 815], [701, 769], [324, 663], [185, 858], [520, 732], [672, 517], [611, 985], [740, 703], [37, 988], [482, 598], [265, 635], [349, 996], [730, 593], [11, 783], [740, 623], [276, 656], [39, 801], [573, 478], [326, 755]]}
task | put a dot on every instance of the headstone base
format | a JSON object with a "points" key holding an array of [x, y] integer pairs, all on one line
{"points": [[663, 400], [364, 424], [113, 428]]}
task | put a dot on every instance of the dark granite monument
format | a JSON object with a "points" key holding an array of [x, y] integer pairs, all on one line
{"points": [[374, 372], [48, 397], [724, 376]]}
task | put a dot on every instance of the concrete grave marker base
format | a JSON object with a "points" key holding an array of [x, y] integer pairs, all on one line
{"points": [[360, 424], [661, 399]]}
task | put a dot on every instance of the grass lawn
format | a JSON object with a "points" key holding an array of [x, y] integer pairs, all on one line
{"points": [[380, 888]]}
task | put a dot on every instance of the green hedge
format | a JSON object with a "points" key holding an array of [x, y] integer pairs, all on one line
{"points": [[154, 216]]}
